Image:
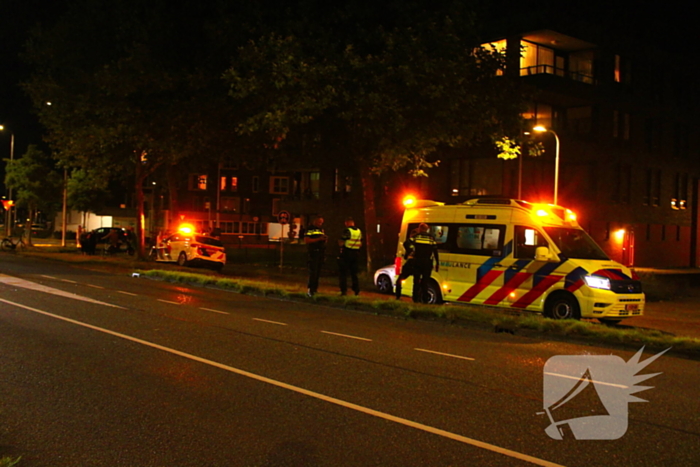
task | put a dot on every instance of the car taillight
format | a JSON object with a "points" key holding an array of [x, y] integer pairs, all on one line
{"points": [[397, 266]]}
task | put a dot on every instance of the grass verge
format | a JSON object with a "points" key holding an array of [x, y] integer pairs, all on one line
{"points": [[8, 461], [486, 318]]}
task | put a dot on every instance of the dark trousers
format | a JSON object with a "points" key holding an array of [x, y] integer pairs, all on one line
{"points": [[316, 258], [406, 270], [347, 264], [421, 277]]}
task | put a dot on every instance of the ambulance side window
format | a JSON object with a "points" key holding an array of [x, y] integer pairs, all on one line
{"points": [[527, 240], [441, 233], [477, 239]]}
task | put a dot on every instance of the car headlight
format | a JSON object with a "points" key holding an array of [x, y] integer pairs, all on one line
{"points": [[597, 282]]}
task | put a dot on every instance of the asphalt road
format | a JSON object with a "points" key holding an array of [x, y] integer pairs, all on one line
{"points": [[130, 371]]}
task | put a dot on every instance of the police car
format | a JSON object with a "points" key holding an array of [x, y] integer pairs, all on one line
{"points": [[187, 248]]}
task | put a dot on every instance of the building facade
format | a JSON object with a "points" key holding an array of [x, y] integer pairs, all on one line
{"points": [[628, 161]]}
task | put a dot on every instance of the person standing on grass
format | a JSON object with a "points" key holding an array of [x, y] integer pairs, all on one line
{"points": [[407, 267], [315, 239], [349, 243], [425, 250]]}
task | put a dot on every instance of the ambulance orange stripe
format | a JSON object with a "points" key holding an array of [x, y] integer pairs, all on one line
{"points": [[512, 284], [536, 291], [476, 289]]}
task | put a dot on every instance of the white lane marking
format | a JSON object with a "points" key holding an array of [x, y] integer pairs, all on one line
{"points": [[126, 293], [306, 392], [445, 354], [168, 301], [17, 282], [48, 277], [581, 379], [214, 311], [268, 321], [95, 286], [67, 280], [345, 335]]}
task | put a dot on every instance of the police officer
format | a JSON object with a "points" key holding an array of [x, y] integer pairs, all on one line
{"points": [[425, 250], [349, 243], [407, 267], [315, 238]]}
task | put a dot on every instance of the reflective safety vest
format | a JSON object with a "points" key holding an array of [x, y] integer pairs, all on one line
{"points": [[424, 246], [355, 240], [315, 232]]}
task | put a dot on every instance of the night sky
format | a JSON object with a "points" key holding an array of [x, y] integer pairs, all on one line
{"points": [[661, 22]]}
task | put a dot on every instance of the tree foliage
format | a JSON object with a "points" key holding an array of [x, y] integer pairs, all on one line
{"points": [[137, 95], [37, 185], [87, 191], [391, 84]]}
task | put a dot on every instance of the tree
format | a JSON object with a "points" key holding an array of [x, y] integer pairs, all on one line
{"points": [[37, 185], [142, 94], [391, 85], [87, 191]]}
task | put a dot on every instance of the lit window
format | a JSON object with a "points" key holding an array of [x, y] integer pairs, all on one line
{"points": [[498, 46], [198, 182], [536, 59]]}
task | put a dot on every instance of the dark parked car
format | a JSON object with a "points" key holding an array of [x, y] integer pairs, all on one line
{"points": [[98, 239]]}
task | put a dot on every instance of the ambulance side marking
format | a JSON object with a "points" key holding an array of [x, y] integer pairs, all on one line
{"points": [[536, 291]]}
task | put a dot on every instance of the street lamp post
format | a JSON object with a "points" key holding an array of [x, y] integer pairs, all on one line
{"points": [[541, 129], [8, 216]]}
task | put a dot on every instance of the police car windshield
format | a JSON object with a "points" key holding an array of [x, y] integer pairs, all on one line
{"points": [[575, 243]]}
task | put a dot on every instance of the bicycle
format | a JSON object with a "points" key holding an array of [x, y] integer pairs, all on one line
{"points": [[8, 244]]}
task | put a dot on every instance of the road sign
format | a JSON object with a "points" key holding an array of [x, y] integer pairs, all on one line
{"points": [[283, 217]]}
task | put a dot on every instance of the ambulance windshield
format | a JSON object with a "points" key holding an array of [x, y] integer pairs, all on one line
{"points": [[575, 243]]}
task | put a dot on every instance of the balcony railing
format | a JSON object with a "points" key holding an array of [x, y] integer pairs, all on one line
{"points": [[552, 70]]}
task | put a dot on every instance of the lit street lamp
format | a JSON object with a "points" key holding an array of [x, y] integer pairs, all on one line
{"points": [[9, 195], [541, 129]]}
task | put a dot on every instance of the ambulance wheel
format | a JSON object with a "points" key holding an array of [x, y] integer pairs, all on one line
{"points": [[562, 305], [384, 284], [432, 294], [182, 259]]}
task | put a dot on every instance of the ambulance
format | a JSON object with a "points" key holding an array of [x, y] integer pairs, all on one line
{"points": [[521, 256]]}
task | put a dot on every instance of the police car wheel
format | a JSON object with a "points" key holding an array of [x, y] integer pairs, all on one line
{"points": [[432, 294], [384, 284], [562, 306], [182, 259]]}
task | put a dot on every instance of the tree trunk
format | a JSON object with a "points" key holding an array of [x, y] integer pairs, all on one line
{"points": [[140, 212], [28, 231], [171, 175], [372, 240]]}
